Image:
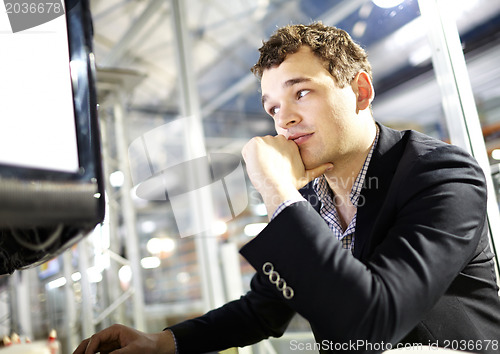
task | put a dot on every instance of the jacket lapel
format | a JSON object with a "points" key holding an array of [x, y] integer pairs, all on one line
{"points": [[378, 179]]}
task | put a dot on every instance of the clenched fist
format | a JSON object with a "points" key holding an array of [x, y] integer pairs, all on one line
{"points": [[276, 170]]}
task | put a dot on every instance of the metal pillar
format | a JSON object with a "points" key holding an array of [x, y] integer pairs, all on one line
{"points": [[206, 244], [457, 97], [87, 310], [5, 311], [129, 216], [20, 292], [112, 86], [70, 316], [112, 219]]}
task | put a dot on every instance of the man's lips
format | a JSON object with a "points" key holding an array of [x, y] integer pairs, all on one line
{"points": [[300, 138]]}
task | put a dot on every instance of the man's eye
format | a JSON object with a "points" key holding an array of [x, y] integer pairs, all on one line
{"points": [[274, 110], [302, 93]]}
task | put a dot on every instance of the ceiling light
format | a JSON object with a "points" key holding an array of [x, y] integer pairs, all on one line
{"points": [[150, 262], [54, 284], [76, 276], [163, 245], [116, 178], [386, 4], [219, 227], [125, 274], [94, 274], [148, 226], [359, 29], [495, 154]]}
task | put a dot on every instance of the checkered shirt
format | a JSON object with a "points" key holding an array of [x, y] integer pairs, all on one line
{"points": [[328, 211]]}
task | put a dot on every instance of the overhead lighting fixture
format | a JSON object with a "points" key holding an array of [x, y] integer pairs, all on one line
{"points": [[365, 10], [219, 227], [164, 245], [148, 226], [150, 262], [387, 4], [359, 29], [125, 274], [54, 284], [77, 276], [94, 274], [495, 154], [116, 179]]}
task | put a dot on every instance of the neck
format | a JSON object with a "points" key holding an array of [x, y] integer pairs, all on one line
{"points": [[344, 173]]}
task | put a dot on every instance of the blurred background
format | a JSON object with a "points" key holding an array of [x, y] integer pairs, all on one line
{"points": [[174, 87]]}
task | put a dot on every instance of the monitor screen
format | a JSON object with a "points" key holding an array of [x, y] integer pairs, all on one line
{"points": [[51, 186], [38, 125]]}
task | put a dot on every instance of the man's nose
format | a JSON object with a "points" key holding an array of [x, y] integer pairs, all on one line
{"points": [[287, 117]]}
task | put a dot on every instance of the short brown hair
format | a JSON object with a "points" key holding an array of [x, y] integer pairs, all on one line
{"points": [[342, 56]]}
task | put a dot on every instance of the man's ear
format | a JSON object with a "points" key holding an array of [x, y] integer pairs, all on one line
{"points": [[362, 86]]}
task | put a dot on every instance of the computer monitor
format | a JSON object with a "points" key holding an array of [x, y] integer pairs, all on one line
{"points": [[51, 183]]}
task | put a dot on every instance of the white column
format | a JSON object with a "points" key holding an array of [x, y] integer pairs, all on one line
{"points": [[72, 337], [129, 216], [87, 311], [202, 208]]}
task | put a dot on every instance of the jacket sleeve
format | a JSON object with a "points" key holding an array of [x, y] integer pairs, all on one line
{"points": [[254, 317], [437, 212]]}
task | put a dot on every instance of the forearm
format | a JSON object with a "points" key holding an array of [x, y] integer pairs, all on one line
{"points": [[254, 317]]}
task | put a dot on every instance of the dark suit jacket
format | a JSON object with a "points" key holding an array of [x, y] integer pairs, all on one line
{"points": [[422, 270]]}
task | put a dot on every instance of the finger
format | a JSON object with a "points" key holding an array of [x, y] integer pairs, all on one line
{"points": [[81, 348], [92, 346], [315, 173], [99, 345], [105, 340]]}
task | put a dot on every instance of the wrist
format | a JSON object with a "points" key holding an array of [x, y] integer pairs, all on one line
{"points": [[273, 199], [165, 342]]}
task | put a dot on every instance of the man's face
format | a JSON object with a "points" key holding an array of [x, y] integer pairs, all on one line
{"points": [[308, 107]]}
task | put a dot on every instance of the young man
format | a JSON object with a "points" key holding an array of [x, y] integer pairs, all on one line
{"points": [[385, 243]]}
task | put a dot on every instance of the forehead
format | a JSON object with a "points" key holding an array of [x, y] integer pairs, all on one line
{"points": [[300, 65]]}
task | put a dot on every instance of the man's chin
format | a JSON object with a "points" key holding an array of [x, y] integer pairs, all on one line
{"points": [[311, 161], [309, 165]]}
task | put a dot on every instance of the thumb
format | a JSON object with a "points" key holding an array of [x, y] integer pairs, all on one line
{"points": [[314, 173]]}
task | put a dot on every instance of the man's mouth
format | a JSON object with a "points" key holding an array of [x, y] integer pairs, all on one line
{"points": [[300, 138]]}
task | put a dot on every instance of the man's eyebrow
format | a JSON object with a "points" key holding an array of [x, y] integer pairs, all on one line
{"points": [[295, 81], [288, 83]]}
